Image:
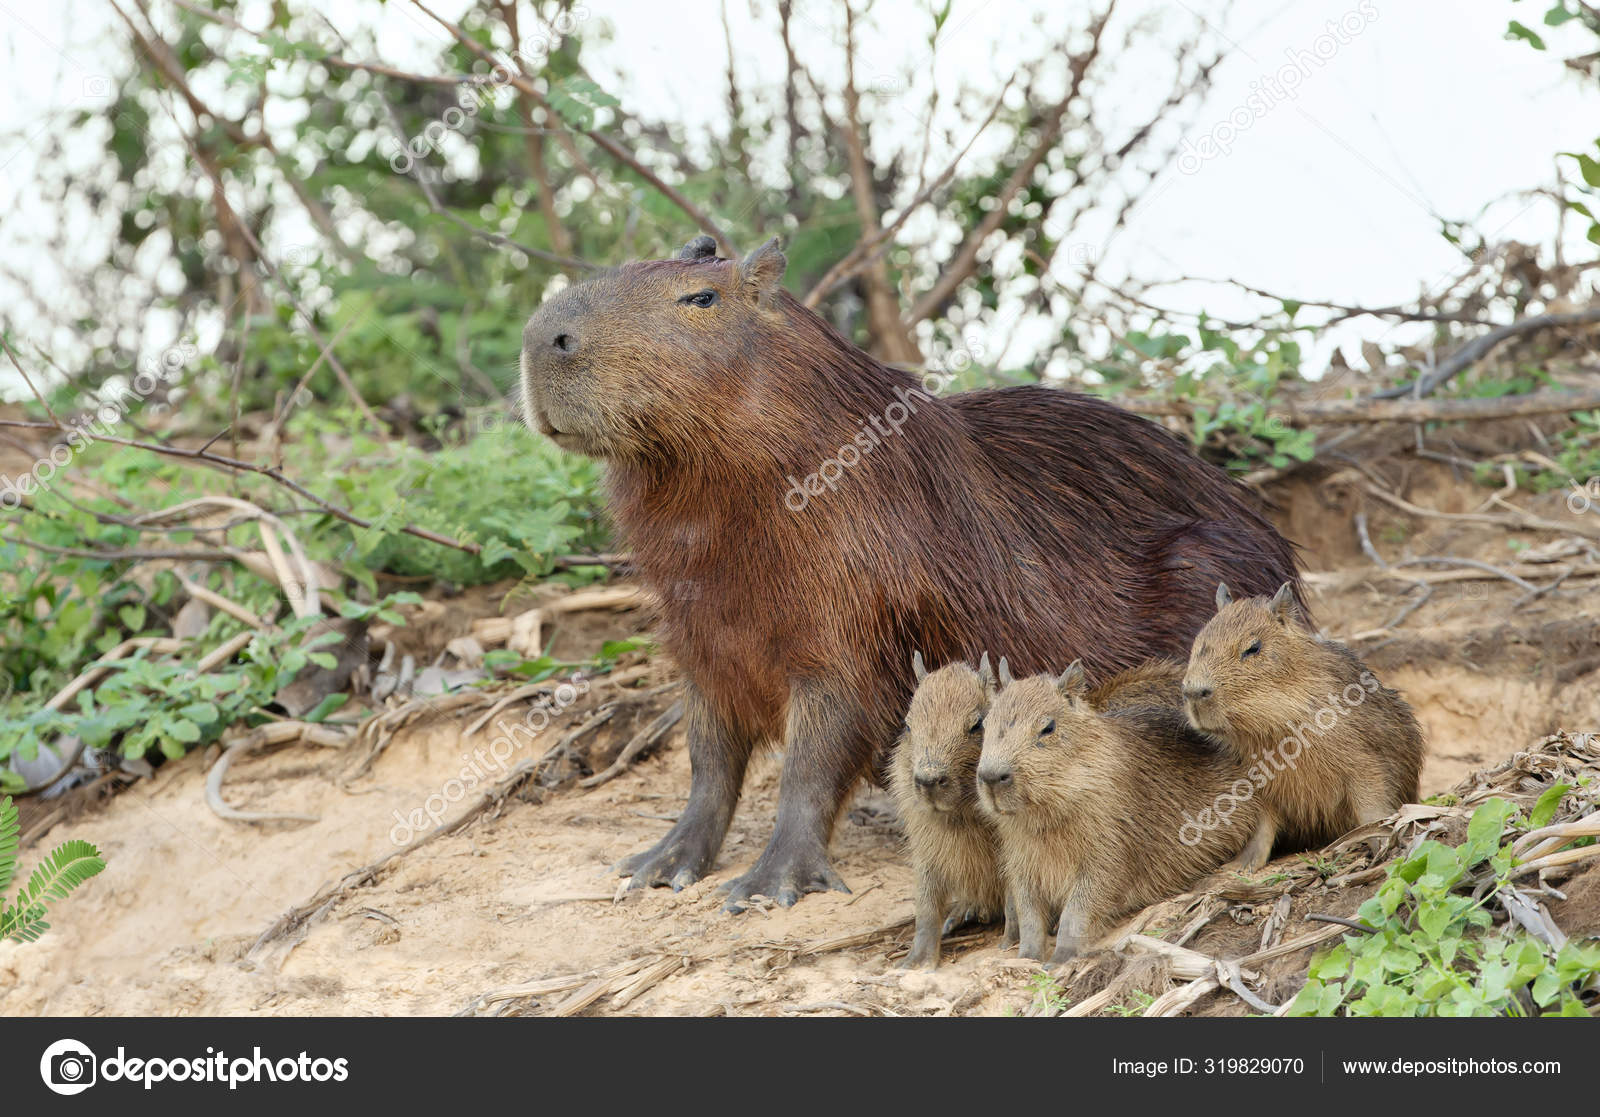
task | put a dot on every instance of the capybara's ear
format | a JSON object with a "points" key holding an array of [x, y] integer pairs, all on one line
{"points": [[986, 673], [918, 668], [1073, 682], [1005, 672], [1284, 606], [762, 270], [1224, 598], [701, 248]]}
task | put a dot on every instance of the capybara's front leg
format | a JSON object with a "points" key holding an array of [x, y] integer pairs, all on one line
{"points": [[1008, 937], [827, 749], [932, 898], [1033, 926], [1074, 925], [1258, 848], [717, 759]]}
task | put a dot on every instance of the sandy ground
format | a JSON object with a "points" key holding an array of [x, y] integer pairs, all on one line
{"points": [[516, 912]]}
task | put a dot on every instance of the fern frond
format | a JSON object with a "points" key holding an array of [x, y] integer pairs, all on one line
{"points": [[66, 867], [23, 923], [10, 827]]}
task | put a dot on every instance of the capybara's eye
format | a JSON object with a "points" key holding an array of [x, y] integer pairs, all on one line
{"points": [[708, 297], [977, 726], [1049, 728], [1255, 646]]}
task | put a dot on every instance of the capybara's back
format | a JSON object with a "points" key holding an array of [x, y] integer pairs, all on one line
{"points": [[1102, 812], [809, 516], [1328, 746]]}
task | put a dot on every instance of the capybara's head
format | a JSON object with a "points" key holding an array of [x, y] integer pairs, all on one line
{"points": [[1034, 729], [1244, 659], [944, 730], [640, 362]]}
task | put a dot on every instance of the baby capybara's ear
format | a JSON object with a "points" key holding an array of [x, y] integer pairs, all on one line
{"points": [[762, 270], [1073, 683], [701, 248], [1005, 672], [918, 668], [986, 673], [1224, 598], [1284, 606]]}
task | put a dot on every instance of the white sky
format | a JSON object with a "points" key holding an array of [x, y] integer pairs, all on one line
{"points": [[1426, 111]]}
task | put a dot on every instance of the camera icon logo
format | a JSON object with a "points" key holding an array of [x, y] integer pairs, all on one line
{"points": [[68, 1067]]}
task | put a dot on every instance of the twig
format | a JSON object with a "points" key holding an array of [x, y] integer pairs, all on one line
{"points": [[272, 473], [1479, 348], [1319, 917], [643, 740], [605, 142]]}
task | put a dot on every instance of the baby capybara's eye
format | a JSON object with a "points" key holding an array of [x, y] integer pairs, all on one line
{"points": [[1049, 728], [707, 297], [1255, 646], [977, 726]]}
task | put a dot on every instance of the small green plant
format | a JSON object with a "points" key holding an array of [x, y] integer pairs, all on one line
{"points": [[1432, 948], [1049, 999], [1135, 1005], [68, 865]]}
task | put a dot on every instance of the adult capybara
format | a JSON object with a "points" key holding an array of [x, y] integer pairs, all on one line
{"points": [[1328, 747], [1090, 806], [808, 517], [933, 780]]}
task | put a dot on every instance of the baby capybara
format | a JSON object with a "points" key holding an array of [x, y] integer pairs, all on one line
{"points": [[1092, 806], [933, 780], [1326, 745], [808, 516]]}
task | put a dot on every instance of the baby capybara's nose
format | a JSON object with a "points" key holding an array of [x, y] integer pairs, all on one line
{"points": [[1197, 692], [996, 778], [926, 784]]}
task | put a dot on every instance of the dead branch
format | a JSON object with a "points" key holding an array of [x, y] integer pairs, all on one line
{"points": [[1480, 347]]}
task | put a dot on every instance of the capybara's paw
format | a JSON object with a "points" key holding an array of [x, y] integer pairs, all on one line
{"points": [[965, 917], [672, 862], [784, 876], [926, 960], [1066, 950]]}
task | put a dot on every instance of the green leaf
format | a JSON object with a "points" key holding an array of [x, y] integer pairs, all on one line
{"points": [[327, 706], [182, 729], [1545, 809], [1483, 832], [1516, 30]]}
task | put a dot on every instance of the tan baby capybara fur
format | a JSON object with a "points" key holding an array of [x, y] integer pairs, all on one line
{"points": [[1326, 745], [1094, 809], [933, 780]]}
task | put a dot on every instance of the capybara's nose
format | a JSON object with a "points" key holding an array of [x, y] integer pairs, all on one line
{"points": [[996, 778], [1198, 692], [565, 341], [928, 783]]}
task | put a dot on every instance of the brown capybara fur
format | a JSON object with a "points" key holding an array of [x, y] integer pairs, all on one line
{"points": [[1155, 682], [808, 516], [1326, 745], [933, 780], [1095, 809]]}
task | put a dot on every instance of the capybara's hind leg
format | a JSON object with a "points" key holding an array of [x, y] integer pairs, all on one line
{"points": [[1008, 937], [827, 750], [1257, 849], [717, 759]]}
